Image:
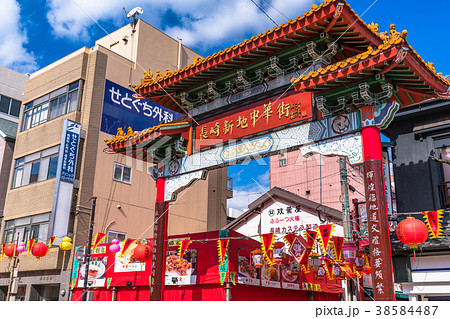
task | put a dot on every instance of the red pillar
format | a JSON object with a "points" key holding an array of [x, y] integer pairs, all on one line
{"points": [[159, 242], [379, 240]]}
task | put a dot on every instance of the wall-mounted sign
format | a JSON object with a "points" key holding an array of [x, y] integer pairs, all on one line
{"points": [[122, 108], [254, 118]]}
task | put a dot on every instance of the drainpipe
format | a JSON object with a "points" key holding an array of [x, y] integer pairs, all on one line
{"points": [[228, 291], [114, 294], [179, 54]]}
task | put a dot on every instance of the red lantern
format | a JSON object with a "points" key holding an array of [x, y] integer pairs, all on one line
{"points": [[142, 252], [10, 250], [39, 250], [412, 231]]}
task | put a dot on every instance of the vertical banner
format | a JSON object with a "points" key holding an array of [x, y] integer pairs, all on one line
{"points": [[67, 163], [158, 256], [379, 242]]}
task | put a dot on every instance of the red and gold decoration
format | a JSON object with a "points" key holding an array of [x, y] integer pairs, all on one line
{"points": [[125, 246], [338, 244], [314, 262], [11, 251], [324, 235], [97, 239], [267, 242], [349, 251], [142, 252], [299, 249], [360, 261], [311, 236], [329, 267], [52, 240], [433, 220], [257, 259], [349, 270], [39, 250], [412, 231], [184, 244], [30, 245], [289, 238], [3, 251], [222, 246]]}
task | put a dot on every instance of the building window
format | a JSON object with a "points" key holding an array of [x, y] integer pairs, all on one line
{"points": [[283, 162], [122, 173], [9, 106], [444, 154], [52, 105], [36, 167], [31, 227], [113, 234]]}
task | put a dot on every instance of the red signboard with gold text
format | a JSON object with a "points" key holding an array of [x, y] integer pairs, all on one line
{"points": [[254, 118]]}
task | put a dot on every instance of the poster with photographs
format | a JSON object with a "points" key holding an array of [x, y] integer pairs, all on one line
{"points": [[181, 271], [290, 274], [247, 273], [270, 276], [126, 262], [96, 272]]}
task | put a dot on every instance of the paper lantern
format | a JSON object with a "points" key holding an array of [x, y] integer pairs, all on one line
{"points": [[11, 251], [22, 247], [338, 271], [142, 252], [278, 252], [359, 261], [314, 263], [66, 244], [114, 248], [350, 249], [257, 259], [39, 250], [366, 270], [412, 231]]}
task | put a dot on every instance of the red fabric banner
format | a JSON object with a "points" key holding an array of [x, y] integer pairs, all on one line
{"points": [[338, 243], [324, 234], [222, 246], [97, 239], [125, 245], [30, 245], [433, 220], [183, 247], [267, 241]]}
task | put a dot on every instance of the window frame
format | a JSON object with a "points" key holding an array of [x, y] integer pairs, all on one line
{"points": [[10, 104], [111, 234], [38, 157], [33, 111], [122, 166], [26, 229]]}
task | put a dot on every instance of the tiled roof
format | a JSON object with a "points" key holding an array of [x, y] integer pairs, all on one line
{"points": [[150, 79], [135, 136], [8, 129], [389, 41]]}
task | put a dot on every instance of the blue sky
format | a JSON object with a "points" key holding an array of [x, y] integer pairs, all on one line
{"points": [[35, 33]]}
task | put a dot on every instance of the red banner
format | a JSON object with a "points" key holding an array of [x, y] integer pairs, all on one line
{"points": [[267, 241], [324, 235], [125, 245], [2, 253], [289, 238], [433, 219], [52, 239], [97, 239], [30, 245], [184, 244], [254, 118], [338, 243]]}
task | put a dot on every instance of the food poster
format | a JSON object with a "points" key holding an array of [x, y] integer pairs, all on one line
{"points": [[96, 272], [126, 261], [247, 273], [290, 271], [181, 272], [270, 276]]}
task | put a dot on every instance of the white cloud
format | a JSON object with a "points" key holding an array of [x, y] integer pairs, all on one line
{"points": [[13, 55], [244, 195], [200, 23]]}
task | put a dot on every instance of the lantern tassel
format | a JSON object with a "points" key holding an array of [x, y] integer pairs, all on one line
{"points": [[414, 251]]}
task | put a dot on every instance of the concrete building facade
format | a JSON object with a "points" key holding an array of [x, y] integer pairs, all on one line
{"points": [[74, 89]]}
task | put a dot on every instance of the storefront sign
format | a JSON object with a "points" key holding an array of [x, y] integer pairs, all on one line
{"points": [[96, 272], [311, 286], [247, 273], [126, 261], [254, 118], [65, 175], [122, 109]]}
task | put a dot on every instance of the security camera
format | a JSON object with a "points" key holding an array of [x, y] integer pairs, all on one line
{"points": [[119, 206], [134, 12]]}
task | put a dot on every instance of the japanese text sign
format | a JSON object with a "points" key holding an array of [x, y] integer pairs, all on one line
{"points": [[70, 151], [254, 118], [121, 109]]}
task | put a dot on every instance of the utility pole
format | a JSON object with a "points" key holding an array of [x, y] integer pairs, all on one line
{"points": [[13, 273], [352, 288], [87, 258]]}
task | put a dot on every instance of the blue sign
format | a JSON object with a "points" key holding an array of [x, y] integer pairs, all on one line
{"points": [[70, 151], [121, 109]]}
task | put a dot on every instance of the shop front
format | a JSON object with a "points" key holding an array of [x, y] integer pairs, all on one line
{"points": [[215, 265]]}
